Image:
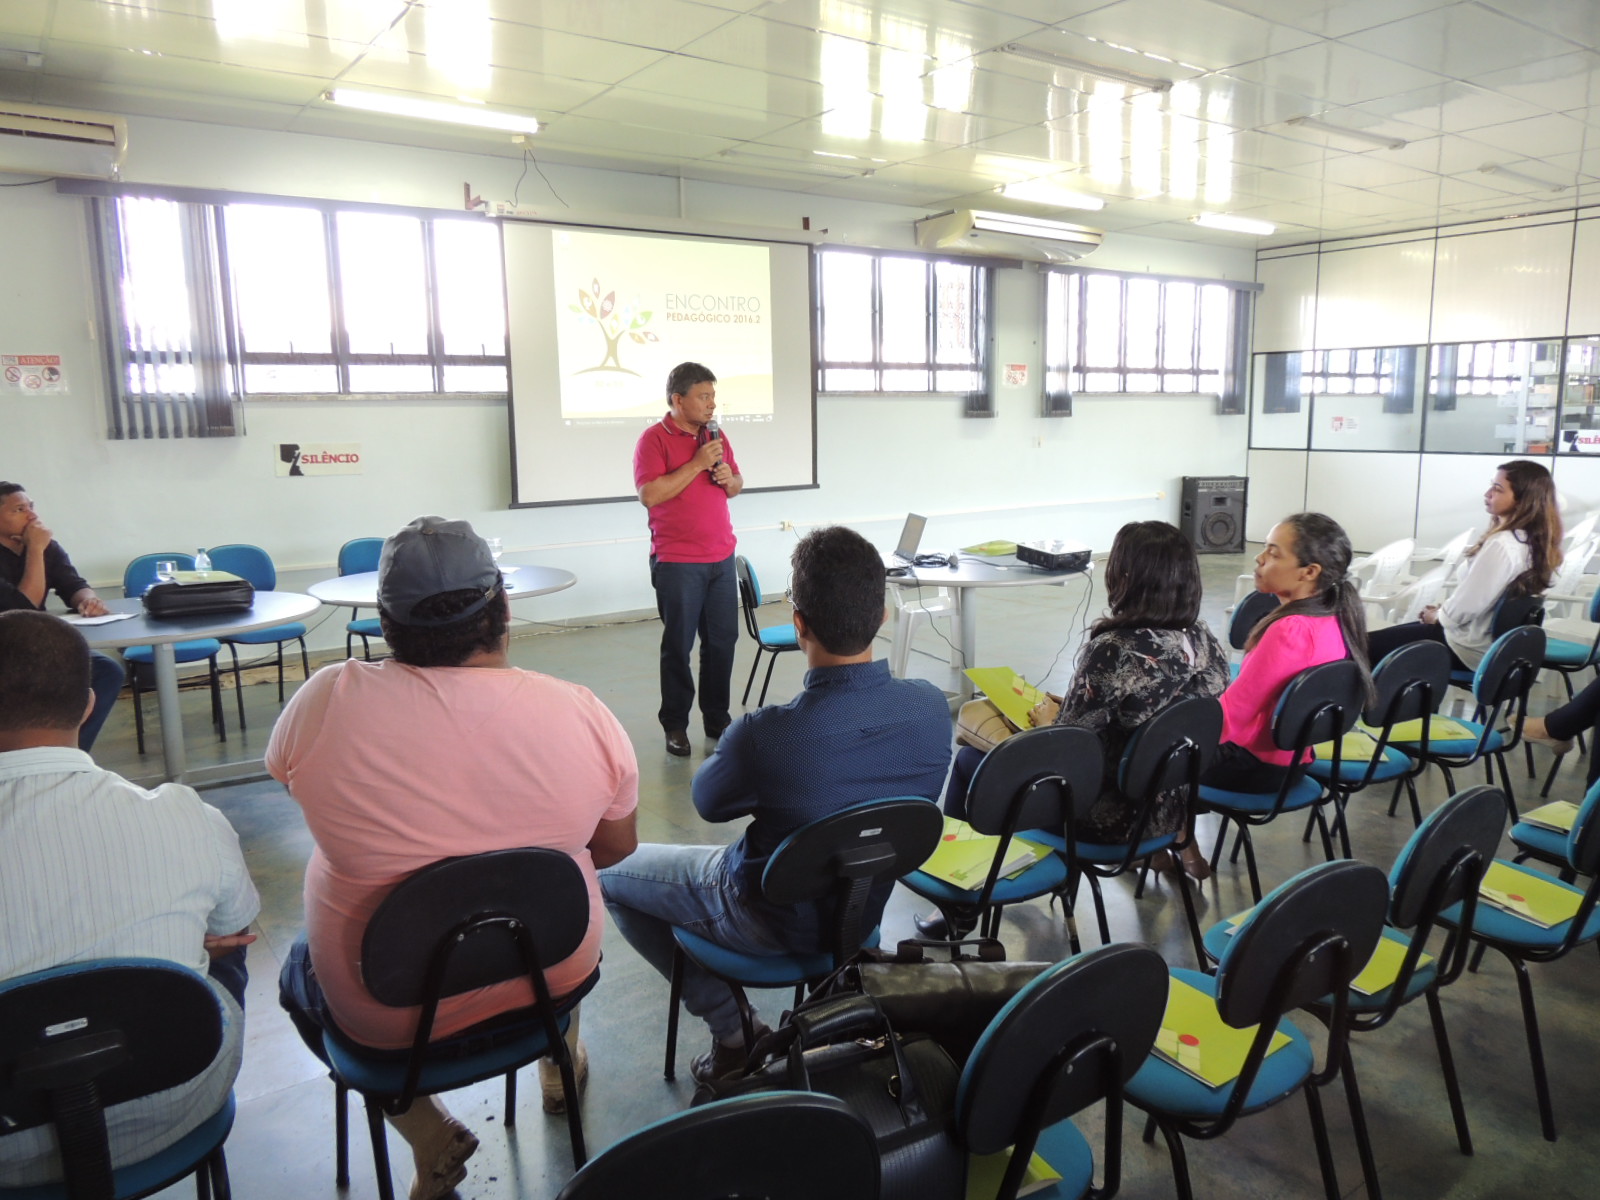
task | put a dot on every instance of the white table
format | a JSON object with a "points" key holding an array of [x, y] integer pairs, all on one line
{"points": [[269, 609], [361, 589], [970, 573]]}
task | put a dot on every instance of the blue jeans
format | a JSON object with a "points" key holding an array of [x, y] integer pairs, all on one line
{"points": [[696, 599], [658, 887], [105, 680]]}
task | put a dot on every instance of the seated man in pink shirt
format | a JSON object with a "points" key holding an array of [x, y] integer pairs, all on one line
{"points": [[444, 750]]}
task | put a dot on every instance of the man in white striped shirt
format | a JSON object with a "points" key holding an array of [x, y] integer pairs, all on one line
{"points": [[93, 867]]}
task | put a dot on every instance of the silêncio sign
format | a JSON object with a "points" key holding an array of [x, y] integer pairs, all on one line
{"points": [[318, 458]]}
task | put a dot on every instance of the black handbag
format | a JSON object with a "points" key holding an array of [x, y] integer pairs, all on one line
{"points": [[903, 1088], [169, 600]]}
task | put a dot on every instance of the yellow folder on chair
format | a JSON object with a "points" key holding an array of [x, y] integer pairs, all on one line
{"points": [[1195, 1039], [1013, 695]]}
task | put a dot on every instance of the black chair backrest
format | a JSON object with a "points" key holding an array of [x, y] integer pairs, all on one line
{"points": [[1408, 684], [848, 856], [1169, 749], [1320, 704], [542, 891], [1510, 667], [133, 1026], [1342, 901], [1447, 855], [1583, 843], [776, 1145], [749, 594], [1246, 614], [1030, 780], [881, 839], [1028, 1069], [1512, 612]]}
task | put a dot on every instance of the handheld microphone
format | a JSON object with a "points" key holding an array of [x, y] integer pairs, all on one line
{"points": [[713, 430]]}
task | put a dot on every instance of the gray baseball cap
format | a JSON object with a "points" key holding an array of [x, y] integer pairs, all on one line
{"points": [[431, 556]]}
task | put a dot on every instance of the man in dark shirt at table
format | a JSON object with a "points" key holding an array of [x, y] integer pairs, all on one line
{"points": [[33, 564], [854, 734]]}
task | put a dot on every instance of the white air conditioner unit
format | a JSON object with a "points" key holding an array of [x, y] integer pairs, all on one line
{"points": [[60, 141], [1006, 235]]}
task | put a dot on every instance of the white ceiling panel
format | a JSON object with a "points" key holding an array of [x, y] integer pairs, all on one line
{"points": [[815, 94], [1460, 41], [1200, 32]]}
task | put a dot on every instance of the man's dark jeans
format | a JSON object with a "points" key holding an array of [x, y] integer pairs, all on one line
{"points": [[696, 599]]}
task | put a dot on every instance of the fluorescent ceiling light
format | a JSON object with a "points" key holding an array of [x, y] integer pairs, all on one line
{"points": [[433, 110], [1037, 227], [1132, 78], [1351, 135], [1544, 185], [1234, 224], [1042, 191]]}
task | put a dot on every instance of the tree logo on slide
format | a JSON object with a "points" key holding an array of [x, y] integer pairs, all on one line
{"points": [[614, 325]]}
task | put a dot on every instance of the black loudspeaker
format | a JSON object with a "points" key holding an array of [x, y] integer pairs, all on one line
{"points": [[1212, 515]]}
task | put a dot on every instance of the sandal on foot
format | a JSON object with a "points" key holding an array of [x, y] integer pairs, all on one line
{"points": [[448, 1165], [554, 1095]]}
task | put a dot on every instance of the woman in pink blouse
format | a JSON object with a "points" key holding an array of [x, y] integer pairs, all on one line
{"points": [[1319, 619]]}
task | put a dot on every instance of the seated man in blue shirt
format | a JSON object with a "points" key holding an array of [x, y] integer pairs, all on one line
{"points": [[854, 734]]}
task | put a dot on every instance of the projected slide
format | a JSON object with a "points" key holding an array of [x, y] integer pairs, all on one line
{"points": [[629, 308], [599, 317]]}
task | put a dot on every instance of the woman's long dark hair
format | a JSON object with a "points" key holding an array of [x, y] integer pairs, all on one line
{"points": [[1534, 515], [1152, 580], [1319, 539]]}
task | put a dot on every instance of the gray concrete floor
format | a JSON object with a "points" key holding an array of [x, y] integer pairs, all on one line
{"points": [[282, 1144]]}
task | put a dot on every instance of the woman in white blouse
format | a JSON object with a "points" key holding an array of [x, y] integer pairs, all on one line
{"points": [[1515, 557]]}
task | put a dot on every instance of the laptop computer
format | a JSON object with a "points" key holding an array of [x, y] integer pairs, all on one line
{"points": [[910, 538]]}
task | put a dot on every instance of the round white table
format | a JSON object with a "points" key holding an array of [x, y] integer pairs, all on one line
{"points": [[269, 609], [361, 589], [970, 573]]}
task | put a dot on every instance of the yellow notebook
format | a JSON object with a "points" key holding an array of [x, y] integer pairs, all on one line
{"points": [[1355, 746], [1544, 902], [1383, 968], [1195, 1039], [1560, 816], [996, 549], [963, 855], [1440, 729], [1013, 695], [985, 1173]]}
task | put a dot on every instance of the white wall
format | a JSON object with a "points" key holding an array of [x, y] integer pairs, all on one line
{"points": [[1530, 277], [1015, 476]]}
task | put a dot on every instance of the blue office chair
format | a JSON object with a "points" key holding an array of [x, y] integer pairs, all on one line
{"points": [[1027, 783], [846, 861], [1305, 941], [1439, 868], [772, 639], [255, 564], [455, 926], [76, 1040], [1073, 1036], [778, 1145], [1246, 615], [137, 578], [1568, 659], [1523, 941], [1408, 685], [1320, 704], [355, 557], [1500, 687]]}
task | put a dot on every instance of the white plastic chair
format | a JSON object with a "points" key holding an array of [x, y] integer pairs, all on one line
{"points": [[1582, 530], [915, 607], [1568, 587], [1407, 604], [1382, 572]]}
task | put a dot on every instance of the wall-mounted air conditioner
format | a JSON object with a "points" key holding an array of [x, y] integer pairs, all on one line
{"points": [[1006, 235], [58, 141]]}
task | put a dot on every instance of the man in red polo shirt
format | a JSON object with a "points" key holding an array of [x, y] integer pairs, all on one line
{"points": [[686, 474]]}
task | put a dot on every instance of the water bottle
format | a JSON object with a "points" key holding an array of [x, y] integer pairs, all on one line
{"points": [[202, 562]]}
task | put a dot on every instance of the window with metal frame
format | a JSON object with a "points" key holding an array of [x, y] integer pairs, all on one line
{"points": [[902, 324], [1110, 332], [216, 303]]}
